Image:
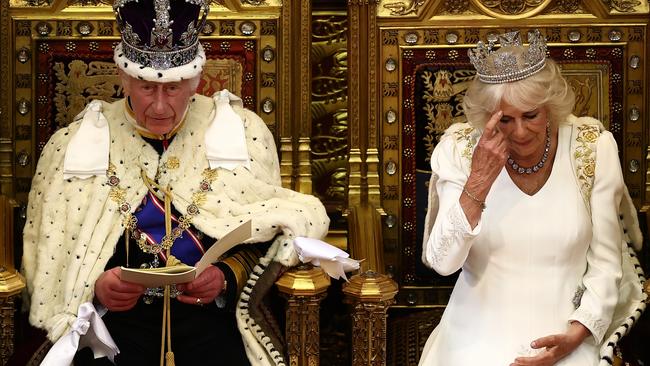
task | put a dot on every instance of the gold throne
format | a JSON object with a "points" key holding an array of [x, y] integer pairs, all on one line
{"points": [[411, 60], [56, 56]]}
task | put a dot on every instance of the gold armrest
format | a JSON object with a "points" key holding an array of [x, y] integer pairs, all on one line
{"points": [[11, 282], [304, 287]]}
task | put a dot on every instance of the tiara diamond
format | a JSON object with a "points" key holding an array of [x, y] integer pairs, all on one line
{"points": [[511, 61]]}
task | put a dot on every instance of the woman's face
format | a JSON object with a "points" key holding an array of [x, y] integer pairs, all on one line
{"points": [[525, 132]]}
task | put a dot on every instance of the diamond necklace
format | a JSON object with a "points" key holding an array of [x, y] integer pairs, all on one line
{"points": [[535, 168]]}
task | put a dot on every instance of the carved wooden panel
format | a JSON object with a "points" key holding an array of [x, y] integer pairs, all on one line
{"points": [[329, 108]]}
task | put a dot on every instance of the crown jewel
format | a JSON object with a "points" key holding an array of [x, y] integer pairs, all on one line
{"points": [[511, 61], [160, 34]]}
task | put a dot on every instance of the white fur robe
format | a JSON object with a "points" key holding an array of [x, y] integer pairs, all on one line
{"points": [[73, 226]]}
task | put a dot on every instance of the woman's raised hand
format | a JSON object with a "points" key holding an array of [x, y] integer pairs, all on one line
{"points": [[489, 158], [490, 155]]}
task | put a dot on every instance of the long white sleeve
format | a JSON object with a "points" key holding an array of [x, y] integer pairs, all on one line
{"points": [[604, 253], [451, 237]]}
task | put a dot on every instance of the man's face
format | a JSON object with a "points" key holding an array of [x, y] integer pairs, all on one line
{"points": [[158, 107]]}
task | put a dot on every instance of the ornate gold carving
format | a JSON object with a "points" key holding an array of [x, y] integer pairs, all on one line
{"points": [[5, 37], [26, 3], [633, 139], [390, 142], [302, 330], [304, 280], [635, 87], [404, 7], [304, 174], [64, 28], [637, 34], [370, 294], [408, 334], [90, 2], [354, 92], [390, 89], [594, 35], [285, 67], [364, 222], [11, 282], [456, 6], [568, 7], [390, 37], [372, 153], [105, 28], [6, 328], [304, 287], [269, 28], [329, 108], [227, 28], [510, 9], [623, 6], [390, 192]]}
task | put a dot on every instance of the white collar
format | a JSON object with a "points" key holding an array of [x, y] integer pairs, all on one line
{"points": [[225, 138]]}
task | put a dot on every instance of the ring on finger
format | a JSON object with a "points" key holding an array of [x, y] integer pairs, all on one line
{"points": [[198, 301]]}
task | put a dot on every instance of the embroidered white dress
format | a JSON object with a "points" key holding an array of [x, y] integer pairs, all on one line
{"points": [[522, 264]]}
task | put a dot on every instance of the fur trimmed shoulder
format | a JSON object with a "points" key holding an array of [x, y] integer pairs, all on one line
{"points": [[261, 147]]}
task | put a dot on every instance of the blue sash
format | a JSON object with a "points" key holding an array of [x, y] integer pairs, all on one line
{"points": [[151, 222]]}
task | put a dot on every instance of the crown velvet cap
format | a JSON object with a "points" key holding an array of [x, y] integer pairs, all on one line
{"points": [[160, 38], [511, 60]]}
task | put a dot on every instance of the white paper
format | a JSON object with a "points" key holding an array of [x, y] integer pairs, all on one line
{"points": [[156, 277]]}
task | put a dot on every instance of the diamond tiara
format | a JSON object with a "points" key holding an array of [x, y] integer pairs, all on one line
{"points": [[511, 61]]}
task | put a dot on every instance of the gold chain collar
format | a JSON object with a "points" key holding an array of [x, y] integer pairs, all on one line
{"points": [[130, 221]]}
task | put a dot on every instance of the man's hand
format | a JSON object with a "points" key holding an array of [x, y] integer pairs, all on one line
{"points": [[203, 289], [115, 294], [556, 346]]}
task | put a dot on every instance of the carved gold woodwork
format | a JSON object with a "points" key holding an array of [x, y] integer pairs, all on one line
{"points": [[295, 96], [329, 108], [363, 160], [407, 336], [304, 287], [11, 282], [370, 294], [504, 9], [7, 310], [364, 228]]}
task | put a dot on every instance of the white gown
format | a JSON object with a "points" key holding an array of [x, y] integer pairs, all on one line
{"points": [[521, 266]]}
